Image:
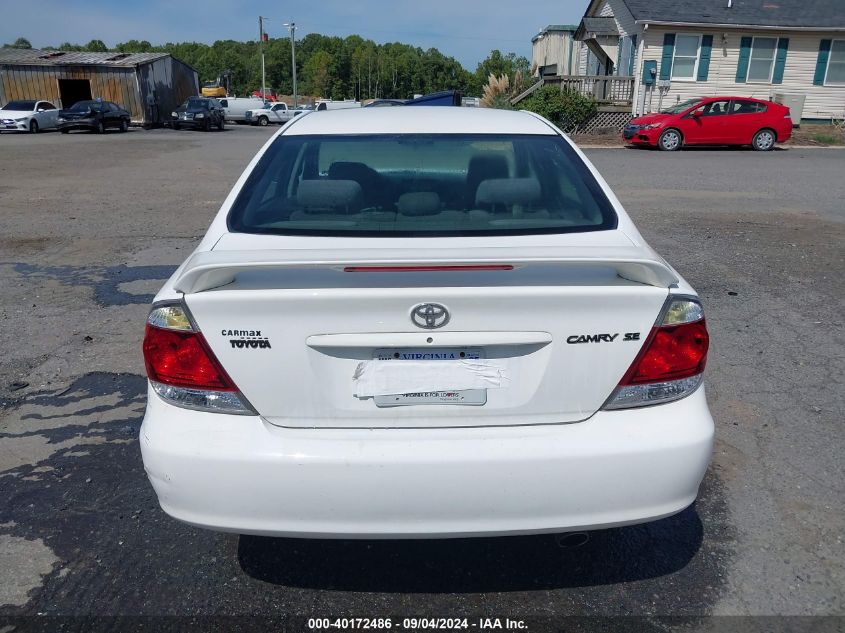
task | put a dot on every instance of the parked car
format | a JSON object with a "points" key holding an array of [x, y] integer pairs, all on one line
{"points": [[276, 113], [409, 322], [94, 116], [235, 108], [270, 95], [713, 121], [29, 115], [199, 112]]}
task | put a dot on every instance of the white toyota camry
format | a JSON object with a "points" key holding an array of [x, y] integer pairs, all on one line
{"points": [[424, 322]]}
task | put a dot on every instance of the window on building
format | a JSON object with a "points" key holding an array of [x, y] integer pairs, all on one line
{"points": [[762, 59], [685, 60], [836, 64]]}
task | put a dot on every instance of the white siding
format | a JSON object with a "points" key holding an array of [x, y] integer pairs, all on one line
{"points": [[624, 20], [822, 102]]}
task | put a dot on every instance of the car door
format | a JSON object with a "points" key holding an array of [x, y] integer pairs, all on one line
{"points": [[705, 125], [278, 113], [46, 114], [744, 121]]}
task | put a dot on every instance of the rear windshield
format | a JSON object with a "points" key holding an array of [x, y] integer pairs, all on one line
{"points": [[420, 185]]}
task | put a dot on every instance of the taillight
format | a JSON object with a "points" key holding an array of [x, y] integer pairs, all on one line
{"points": [[182, 368], [671, 362]]}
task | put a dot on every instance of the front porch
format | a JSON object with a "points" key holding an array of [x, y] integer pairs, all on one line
{"points": [[608, 90]]}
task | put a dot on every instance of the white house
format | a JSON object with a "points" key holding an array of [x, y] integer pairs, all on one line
{"points": [[790, 50]]}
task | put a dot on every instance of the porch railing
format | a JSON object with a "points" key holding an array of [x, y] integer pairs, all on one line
{"points": [[614, 89]]}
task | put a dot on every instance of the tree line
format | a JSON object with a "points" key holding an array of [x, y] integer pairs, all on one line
{"points": [[330, 67]]}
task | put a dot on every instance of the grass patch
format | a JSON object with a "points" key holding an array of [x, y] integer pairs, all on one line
{"points": [[828, 138]]}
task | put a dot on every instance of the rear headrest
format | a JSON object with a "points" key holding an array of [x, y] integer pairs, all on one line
{"points": [[418, 203], [508, 191], [329, 195]]}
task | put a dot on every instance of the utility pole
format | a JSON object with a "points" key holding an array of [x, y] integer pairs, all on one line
{"points": [[261, 44], [292, 28]]}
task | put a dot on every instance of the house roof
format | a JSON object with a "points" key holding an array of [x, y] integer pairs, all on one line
{"points": [[35, 57], [555, 28], [824, 14], [600, 26]]}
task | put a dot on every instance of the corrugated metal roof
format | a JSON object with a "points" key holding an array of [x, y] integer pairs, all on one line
{"points": [[31, 56], [824, 14]]}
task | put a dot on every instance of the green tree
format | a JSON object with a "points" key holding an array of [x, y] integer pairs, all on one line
{"points": [[21, 42], [316, 74], [96, 46]]}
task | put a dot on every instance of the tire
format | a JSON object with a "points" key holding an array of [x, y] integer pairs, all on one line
{"points": [[124, 125], [263, 121], [206, 127], [64, 131], [101, 127], [670, 141], [33, 127], [222, 125], [176, 126], [764, 140]]}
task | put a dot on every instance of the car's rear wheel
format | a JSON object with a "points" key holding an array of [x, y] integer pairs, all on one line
{"points": [[33, 127], [124, 125], [764, 140], [670, 141], [263, 121]]}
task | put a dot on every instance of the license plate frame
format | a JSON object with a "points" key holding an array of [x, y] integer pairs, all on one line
{"points": [[465, 397]]}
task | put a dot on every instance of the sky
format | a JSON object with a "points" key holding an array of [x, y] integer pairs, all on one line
{"points": [[464, 29]]}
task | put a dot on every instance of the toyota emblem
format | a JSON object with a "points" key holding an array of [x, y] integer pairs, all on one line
{"points": [[429, 315]]}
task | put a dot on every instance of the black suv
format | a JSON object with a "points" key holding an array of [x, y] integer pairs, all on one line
{"points": [[199, 112]]}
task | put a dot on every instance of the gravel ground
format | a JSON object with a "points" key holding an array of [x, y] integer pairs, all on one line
{"points": [[91, 225]]}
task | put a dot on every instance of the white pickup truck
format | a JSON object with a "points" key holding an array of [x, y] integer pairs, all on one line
{"points": [[272, 113]]}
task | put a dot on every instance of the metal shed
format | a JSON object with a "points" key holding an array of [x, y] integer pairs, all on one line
{"points": [[148, 85]]}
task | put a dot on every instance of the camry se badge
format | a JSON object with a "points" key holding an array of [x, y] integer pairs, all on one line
{"points": [[429, 315]]}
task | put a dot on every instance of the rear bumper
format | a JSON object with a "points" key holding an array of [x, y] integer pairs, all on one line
{"points": [[241, 474]]}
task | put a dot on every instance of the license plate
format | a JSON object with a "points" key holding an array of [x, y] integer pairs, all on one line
{"points": [[472, 397]]}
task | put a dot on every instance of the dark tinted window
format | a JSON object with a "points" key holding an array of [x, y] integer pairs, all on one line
{"points": [[46, 105], [420, 185], [26, 106], [742, 106], [84, 106]]}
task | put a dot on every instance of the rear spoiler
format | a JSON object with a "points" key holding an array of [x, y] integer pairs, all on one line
{"points": [[212, 269]]}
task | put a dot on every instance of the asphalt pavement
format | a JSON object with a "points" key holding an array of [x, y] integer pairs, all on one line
{"points": [[91, 225]]}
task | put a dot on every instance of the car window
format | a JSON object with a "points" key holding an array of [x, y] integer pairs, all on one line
{"points": [[678, 108], [422, 185], [25, 106], [743, 106], [716, 108], [46, 105], [224, 103]]}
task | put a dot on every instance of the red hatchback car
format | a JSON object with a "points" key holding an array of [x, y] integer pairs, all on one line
{"points": [[713, 121]]}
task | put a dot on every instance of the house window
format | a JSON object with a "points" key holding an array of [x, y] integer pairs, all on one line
{"points": [[836, 64], [685, 60], [762, 59]]}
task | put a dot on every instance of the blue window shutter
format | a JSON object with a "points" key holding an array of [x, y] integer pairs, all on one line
{"points": [[744, 57], [704, 57], [668, 53], [633, 58], [618, 56], [780, 60], [821, 62]]}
